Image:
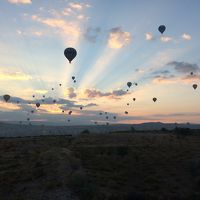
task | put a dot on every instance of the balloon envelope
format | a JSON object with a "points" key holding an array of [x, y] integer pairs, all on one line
{"points": [[70, 53], [194, 86], [129, 84], [154, 99], [6, 97], [162, 28], [37, 104]]}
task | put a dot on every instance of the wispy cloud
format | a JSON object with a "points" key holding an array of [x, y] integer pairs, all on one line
{"points": [[91, 34], [186, 36], [149, 36], [19, 76], [20, 1], [96, 93], [166, 38], [184, 67], [118, 38], [71, 92]]}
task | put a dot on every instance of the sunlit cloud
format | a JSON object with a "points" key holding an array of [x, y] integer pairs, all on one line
{"points": [[20, 1], [186, 36], [19, 76], [71, 92], [149, 36], [96, 93], [91, 34], [8, 106], [166, 39], [118, 38]]}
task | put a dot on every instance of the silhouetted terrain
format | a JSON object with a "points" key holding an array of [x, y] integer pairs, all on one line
{"points": [[127, 166]]}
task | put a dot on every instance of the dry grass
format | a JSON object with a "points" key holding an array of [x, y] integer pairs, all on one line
{"points": [[114, 166]]}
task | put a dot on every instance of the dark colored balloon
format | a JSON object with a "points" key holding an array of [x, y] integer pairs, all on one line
{"points": [[43, 96], [128, 104], [70, 53], [126, 112], [81, 107], [74, 81], [33, 96], [106, 117], [100, 113], [37, 104], [134, 99], [129, 84], [154, 99], [70, 112], [191, 73], [52, 88], [195, 86], [63, 111], [60, 84], [73, 77], [114, 117], [54, 101], [32, 111], [162, 28], [6, 97]]}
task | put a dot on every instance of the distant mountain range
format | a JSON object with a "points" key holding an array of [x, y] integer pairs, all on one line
{"points": [[17, 130]]}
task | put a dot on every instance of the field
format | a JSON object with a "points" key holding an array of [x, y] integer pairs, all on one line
{"points": [[128, 166]]}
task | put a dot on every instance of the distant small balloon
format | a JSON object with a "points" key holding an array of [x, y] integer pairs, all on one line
{"points": [[33, 96], [134, 99], [128, 104], [126, 112], [6, 97], [63, 111], [43, 96], [74, 81], [70, 112], [191, 73], [129, 84], [37, 104], [81, 108], [195, 86], [114, 117], [52, 88], [54, 101], [73, 77], [60, 84], [154, 99], [106, 117], [162, 28]]}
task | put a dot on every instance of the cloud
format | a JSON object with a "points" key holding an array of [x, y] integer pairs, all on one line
{"points": [[92, 34], [14, 76], [164, 79], [91, 105], [149, 36], [118, 38], [162, 72], [20, 1], [69, 30], [186, 36], [96, 93], [165, 38], [71, 93], [184, 67], [76, 6]]}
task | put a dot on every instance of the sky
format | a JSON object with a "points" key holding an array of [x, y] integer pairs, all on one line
{"points": [[116, 42]]}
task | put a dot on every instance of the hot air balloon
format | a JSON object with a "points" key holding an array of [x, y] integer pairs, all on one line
{"points": [[100, 113], [129, 84], [60, 84], [63, 111], [43, 96], [52, 88], [33, 96], [114, 117], [95, 122], [107, 123], [106, 117], [134, 99], [126, 112], [37, 104], [127, 104], [32, 111], [70, 112], [191, 73], [28, 119], [17, 102], [154, 99], [195, 86], [136, 84], [162, 29], [70, 53], [54, 101], [73, 77], [74, 81], [68, 120], [6, 97], [81, 108]]}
